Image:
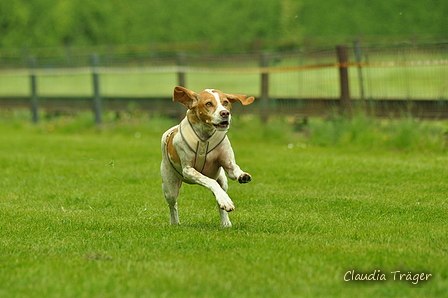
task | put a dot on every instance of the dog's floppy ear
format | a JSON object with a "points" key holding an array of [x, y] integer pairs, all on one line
{"points": [[243, 99], [185, 96]]}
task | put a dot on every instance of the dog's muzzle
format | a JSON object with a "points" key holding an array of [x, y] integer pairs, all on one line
{"points": [[225, 122], [222, 125]]}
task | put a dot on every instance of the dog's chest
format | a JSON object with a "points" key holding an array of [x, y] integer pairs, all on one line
{"points": [[210, 168], [202, 149]]}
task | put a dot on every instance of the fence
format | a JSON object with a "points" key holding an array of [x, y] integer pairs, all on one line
{"points": [[383, 79]]}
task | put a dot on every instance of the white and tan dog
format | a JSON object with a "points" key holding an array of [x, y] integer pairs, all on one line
{"points": [[197, 151]]}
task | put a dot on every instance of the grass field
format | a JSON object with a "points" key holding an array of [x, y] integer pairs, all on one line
{"points": [[82, 215]]}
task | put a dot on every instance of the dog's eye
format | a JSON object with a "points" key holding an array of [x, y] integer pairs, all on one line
{"points": [[209, 104], [225, 103]]}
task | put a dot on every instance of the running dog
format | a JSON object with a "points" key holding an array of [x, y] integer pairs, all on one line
{"points": [[198, 151]]}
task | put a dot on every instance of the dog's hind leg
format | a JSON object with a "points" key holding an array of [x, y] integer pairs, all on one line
{"points": [[171, 186], [171, 192], [222, 181]]}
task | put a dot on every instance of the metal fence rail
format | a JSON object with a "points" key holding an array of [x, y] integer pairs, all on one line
{"points": [[294, 82]]}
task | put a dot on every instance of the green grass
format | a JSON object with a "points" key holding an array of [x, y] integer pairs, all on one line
{"points": [[82, 215]]}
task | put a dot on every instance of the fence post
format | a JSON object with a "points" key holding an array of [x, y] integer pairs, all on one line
{"points": [[345, 102], [33, 85], [96, 89], [264, 100], [360, 76], [180, 73]]}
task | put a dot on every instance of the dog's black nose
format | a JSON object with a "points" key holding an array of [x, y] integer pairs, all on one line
{"points": [[224, 114]]}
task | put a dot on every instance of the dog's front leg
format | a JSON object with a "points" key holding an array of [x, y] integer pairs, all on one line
{"points": [[221, 196], [235, 173], [232, 169]]}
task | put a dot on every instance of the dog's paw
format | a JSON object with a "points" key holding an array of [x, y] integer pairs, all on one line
{"points": [[226, 224], [225, 203], [245, 178], [227, 207]]}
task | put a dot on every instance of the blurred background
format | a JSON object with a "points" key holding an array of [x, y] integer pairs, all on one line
{"points": [[59, 54]]}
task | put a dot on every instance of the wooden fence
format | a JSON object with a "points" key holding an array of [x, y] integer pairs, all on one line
{"points": [[353, 86]]}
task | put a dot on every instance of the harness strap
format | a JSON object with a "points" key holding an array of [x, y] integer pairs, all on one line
{"points": [[198, 146], [201, 155]]}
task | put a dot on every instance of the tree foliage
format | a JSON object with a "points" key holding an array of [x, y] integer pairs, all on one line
{"points": [[43, 23]]}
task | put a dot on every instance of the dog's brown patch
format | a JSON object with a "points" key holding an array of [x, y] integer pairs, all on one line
{"points": [[172, 153]]}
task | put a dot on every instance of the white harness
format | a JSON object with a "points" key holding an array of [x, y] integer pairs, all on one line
{"points": [[197, 145]]}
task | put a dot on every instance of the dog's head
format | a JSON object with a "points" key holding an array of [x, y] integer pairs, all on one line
{"points": [[210, 106]]}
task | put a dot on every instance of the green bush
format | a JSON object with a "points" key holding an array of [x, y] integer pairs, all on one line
{"points": [[359, 131], [405, 133], [230, 24]]}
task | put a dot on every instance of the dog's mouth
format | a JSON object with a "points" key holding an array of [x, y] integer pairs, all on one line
{"points": [[222, 125]]}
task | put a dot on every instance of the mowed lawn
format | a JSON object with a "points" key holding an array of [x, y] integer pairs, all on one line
{"points": [[82, 215]]}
